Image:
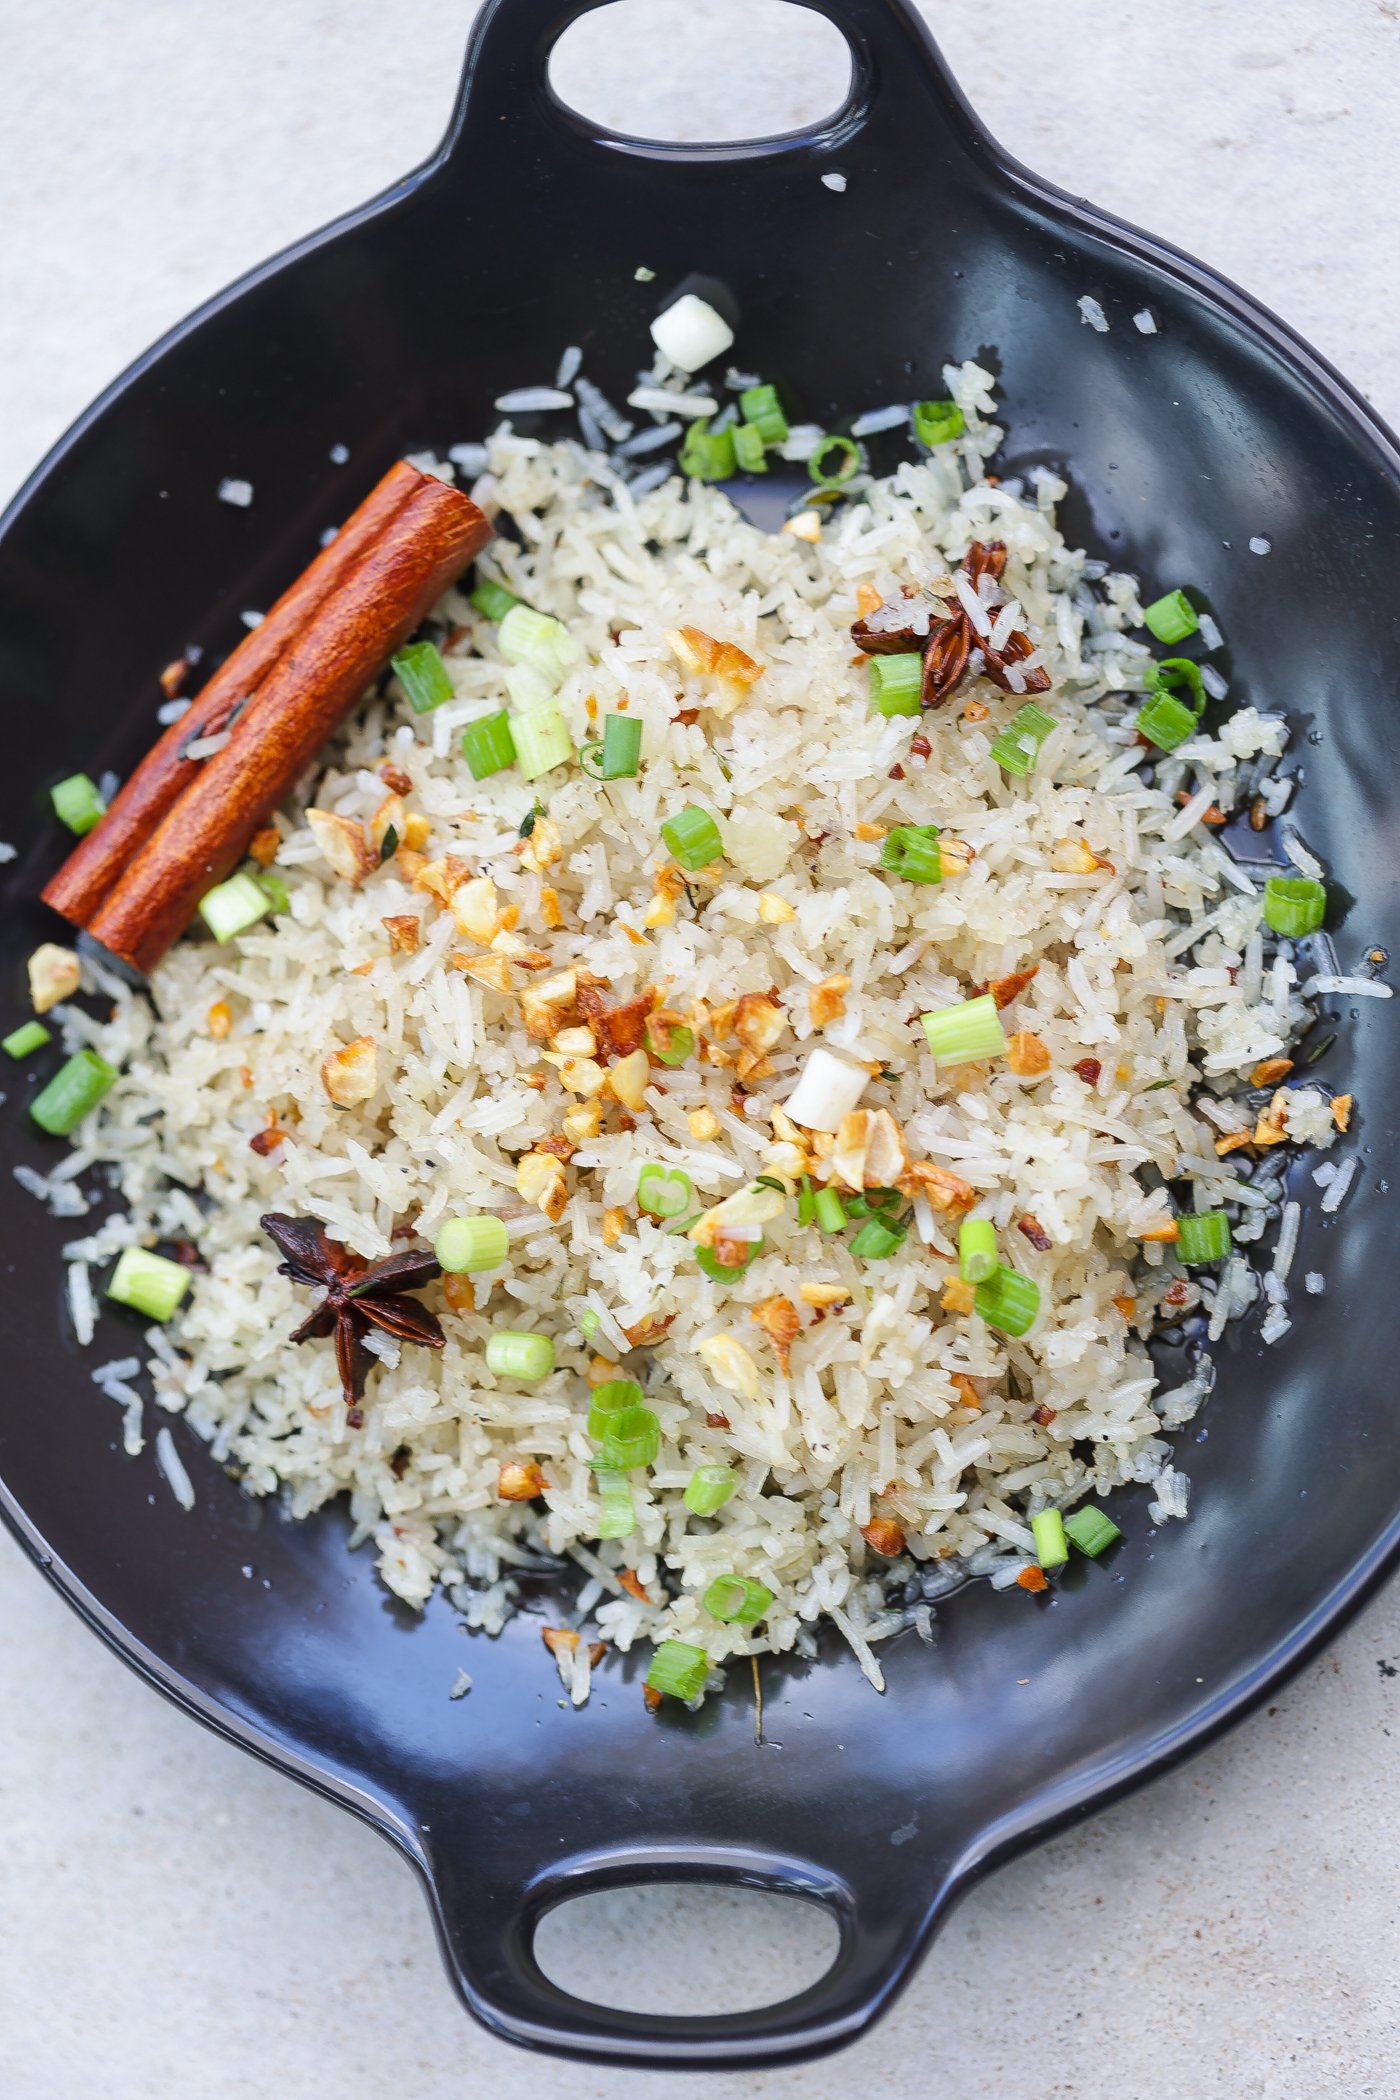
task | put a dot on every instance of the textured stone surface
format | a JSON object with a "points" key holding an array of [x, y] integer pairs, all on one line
{"points": [[177, 1919]]}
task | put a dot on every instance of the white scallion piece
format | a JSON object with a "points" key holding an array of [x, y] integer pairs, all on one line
{"points": [[690, 333], [828, 1089]]}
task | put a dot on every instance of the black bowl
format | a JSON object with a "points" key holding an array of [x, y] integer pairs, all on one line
{"points": [[397, 328]]}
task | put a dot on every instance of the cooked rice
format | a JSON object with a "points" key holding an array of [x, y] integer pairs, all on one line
{"points": [[1150, 964]]}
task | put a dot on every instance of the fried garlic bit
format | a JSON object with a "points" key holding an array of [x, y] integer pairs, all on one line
{"points": [[945, 1192], [730, 1365], [53, 975], [351, 1075], [548, 1005], [343, 844], [1077, 857], [869, 1151], [476, 909], [701, 656], [781, 1322], [518, 1481], [827, 1001], [404, 930], [758, 1022], [540, 1179]]}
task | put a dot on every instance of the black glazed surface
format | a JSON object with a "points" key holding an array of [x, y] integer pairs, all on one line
{"points": [[396, 329]]}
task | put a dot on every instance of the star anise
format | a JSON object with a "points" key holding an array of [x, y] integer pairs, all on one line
{"points": [[947, 648], [359, 1295]]}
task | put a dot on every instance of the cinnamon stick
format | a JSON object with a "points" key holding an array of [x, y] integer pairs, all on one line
{"points": [[418, 540], [99, 862]]}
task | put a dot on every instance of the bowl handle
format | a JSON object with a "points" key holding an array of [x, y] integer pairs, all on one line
{"points": [[488, 1906], [505, 85]]}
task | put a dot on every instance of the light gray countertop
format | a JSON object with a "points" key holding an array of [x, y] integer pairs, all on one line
{"points": [[175, 1918]]}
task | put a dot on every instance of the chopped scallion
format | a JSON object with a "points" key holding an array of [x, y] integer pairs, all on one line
{"points": [[1048, 1531], [231, 907], [670, 1042], [759, 406], [492, 600], [707, 455], [423, 675], [617, 1516], [613, 1397], [77, 803], [912, 850], [692, 838], [279, 897], [1175, 674], [618, 756], [1092, 1532], [466, 1245], [748, 448], [877, 1239], [977, 1250], [830, 1210], [1009, 1302], [737, 1600], [709, 1488], [1294, 905], [844, 455], [25, 1040], [1017, 747], [1172, 617], [537, 639], [1202, 1236], [148, 1283], [488, 745], [710, 1264], [679, 1670], [960, 1035], [1166, 722], [542, 741], [72, 1093], [935, 422], [806, 1194], [896, 683], [664, 1192], [632, 1437], [513, 1355]]}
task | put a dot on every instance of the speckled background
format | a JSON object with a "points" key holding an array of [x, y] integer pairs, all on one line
{"points": [[175, 1920]]}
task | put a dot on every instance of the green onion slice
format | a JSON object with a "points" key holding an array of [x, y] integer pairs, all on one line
{"points": [[631, 1437], [613, 1397], [707, 455], [669, 1042], [539, 641], [488, 745], [896, 683], [618, 755], [759, 406], [718, 1272], [844, 452], [877, 1239], [492, 600], [542, 741], [709, 1488], [692, 838], [423, 675], [1166, 722], [679, 1670], [935, 422], [231, 907], [466, 1245], [1017, 747], [977, 1250], [1175, 674], [912, 850], [617, 1516], [960, 1035], [1203, 1236], [1294, 905], [1009, 1302], [664, 1192], [737, 1599], [1091, 1530], [77, 803], [26, 1039], [148, 1283], [1048, 1531], [72, 1093], [1172, 617], [512, 1355], [830, 1210], [748, 449], [806, 1200]]}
